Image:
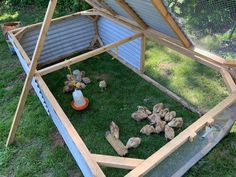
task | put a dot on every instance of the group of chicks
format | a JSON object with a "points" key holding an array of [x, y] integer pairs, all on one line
{"points": [[161, 120], [76, 80], [131, 143]]}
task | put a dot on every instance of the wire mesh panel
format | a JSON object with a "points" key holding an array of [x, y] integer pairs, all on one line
{"points": [[211, 24]]}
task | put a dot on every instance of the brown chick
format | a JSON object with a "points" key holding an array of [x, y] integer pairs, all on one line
{"points": [[176, 122], [138, 115], [82, 74], [160, 126], [169, 133], [114, 129], [169, 116], [163, 112], [147, 130], [158, 107], [144, 109], [86, 80], [154, 118], [133, 142], [67, 89]]}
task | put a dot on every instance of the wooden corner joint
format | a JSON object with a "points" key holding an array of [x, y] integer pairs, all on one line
{"points": [[229, 81], [192, 136]]}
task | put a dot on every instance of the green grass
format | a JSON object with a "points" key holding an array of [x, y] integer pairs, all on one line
{"points": [[200, 85], [34, 153]]}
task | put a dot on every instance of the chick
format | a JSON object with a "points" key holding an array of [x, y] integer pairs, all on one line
{"points": [[176, 122], [82, 74], [158, 107], [80, 85], [163, 112], [114, 129], [160, 126], [138, 115], [147, 130], [144, 109], [86, 80], [169, 116], [67, 89], [70, 77], [133, 142], [102, 85], [154, 118], [169, 133]]}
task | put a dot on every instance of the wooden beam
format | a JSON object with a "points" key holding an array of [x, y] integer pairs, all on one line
{"points": [[33, 65], [90, 12], [180, 139], [108, 8], [132, 13], [158, 4], [77, 140], [116, 162], [87, 55], [228, 80], [143, 50]]}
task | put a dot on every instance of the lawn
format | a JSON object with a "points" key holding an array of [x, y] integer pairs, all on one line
{"points": [[35, 152]]}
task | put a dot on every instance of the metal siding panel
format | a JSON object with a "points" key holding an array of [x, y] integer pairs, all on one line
{"points": [[151, 16], [118, 9], [111, 32], [65, 37], [69, 142]]}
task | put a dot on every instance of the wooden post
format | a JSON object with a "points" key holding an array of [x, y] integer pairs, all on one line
{"points": [[33, 65], [143, 49]]}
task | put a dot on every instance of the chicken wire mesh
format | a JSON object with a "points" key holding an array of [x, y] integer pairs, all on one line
{"points": [[211, 24]]}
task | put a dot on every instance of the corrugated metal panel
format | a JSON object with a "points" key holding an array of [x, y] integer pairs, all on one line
{"points": [[151, 16], [64, 38], [118, 9], [110, 32]]}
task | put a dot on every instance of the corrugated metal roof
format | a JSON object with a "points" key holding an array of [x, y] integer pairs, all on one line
{"points": [[110, 31], [69, 36]]}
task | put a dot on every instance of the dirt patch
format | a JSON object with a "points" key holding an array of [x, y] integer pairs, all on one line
{"points": [[103, 76], [22, 76], [57, 139], [166, 69], [74, 173], [8, 88]]}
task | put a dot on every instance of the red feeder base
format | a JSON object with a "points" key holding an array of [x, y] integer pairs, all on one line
{"points": [[80, 108]]}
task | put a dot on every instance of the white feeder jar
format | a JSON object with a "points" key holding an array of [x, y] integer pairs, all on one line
{"points": [[78, 98], [77, 75]]}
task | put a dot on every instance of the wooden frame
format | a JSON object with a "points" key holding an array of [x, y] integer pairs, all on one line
{"points": [[89, 161]]}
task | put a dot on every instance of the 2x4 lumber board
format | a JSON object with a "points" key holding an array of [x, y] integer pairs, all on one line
{"points": [[180, 139], [59, 19], [143, 50], [230, 63], [158, 4], [33, 65], [228, 80], [132, 13], [116, 162], [87, 55], [96, 170], [20, 48], [108, 8]]}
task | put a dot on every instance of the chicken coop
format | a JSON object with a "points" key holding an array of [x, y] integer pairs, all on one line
{"points": [[120, 28]]}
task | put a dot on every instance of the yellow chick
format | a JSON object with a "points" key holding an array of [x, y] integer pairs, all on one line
{"points": [[176, 122], [169, 133], [138, 115], [169, 116], [102, 85], [144, 109], [158, 107], [114, 129], [154, 118], [133, 142], [147, 130], [160, 126]]}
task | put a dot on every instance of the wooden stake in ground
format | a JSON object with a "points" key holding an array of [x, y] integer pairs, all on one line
{"points": [[33, 65]]}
